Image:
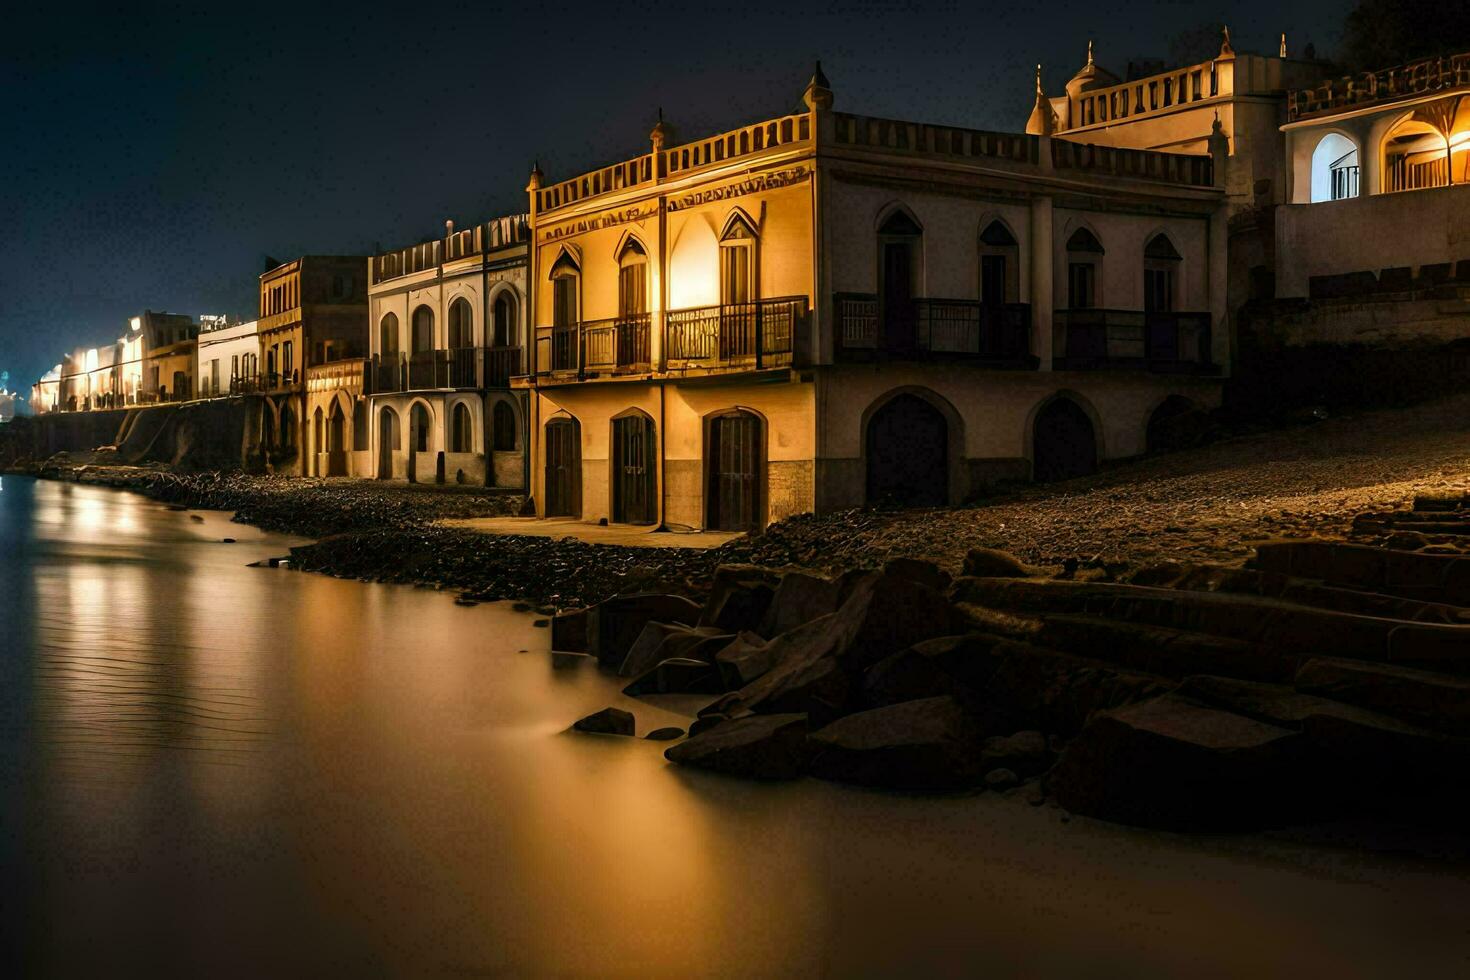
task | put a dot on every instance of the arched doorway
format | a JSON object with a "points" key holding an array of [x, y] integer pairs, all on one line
{"points": [[1176, 424], [563, 468], [735, 459], [1064, 444], [418, 438], [336, 441], [635, 491], [908, 454], [387, 442], [288, 428]]}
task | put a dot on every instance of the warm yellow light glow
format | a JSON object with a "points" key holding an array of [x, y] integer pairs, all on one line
{"points": [[136, 323]]}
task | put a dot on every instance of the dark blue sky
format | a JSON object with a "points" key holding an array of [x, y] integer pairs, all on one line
{"points": [[156, 153]]}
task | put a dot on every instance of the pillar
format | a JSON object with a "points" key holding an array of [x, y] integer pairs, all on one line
{"points": [[1041, 280]]}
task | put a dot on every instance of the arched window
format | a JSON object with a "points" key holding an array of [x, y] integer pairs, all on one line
{"points": [[418, 423], [388, 335], [504, 434], [1000, 265], [288, 427], [461, 324], [462, 431], [565, 275], [632, 279], [900, 240], [737, 262], [1160, 274], [505, 320], [1334, 169], [1084, 260], [423, 330]]}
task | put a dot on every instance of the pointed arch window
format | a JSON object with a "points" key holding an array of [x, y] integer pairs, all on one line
{"points": [[1084, 262], [1000, 265], [461, 324], [566, 278], [900, 245], [1160, 274], [504, 432], [505, 320], [738, 262], [388, 335], [423, 330], [632, 279]]}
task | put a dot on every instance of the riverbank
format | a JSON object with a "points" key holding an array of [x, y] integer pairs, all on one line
{"points": [[1212, 504]]}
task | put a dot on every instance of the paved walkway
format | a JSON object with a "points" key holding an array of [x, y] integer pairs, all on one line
{"points": [[621, 534]]}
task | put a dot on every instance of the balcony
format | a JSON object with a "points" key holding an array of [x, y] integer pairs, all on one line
{"points": [[617, 346], [996, 333], [280, 380], [452, 368], [1167, 343], [755, 335], [751, 336]]}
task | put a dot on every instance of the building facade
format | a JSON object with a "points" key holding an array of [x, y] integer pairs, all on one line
{"points": [[825, 310], [313, 311], [228, 357], [448, 334]]}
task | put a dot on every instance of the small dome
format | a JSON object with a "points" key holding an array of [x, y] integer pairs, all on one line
{"points": [[1091, 77]]}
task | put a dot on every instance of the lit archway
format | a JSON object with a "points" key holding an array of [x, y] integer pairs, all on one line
{"points": [[1335, 169]]}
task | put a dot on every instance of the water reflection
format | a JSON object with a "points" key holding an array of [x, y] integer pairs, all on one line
{"points": [[213, 769]]}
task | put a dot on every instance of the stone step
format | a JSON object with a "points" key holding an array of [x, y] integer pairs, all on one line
{"points": [[1429, 578], [1306, 592], [1275, 626]]}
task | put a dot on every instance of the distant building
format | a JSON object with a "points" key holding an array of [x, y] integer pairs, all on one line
{"points": [[228, 357], [825, 309], [313, 311], [449, 326], [167, 342]]}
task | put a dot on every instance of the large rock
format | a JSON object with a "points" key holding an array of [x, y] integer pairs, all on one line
{"points": [[886, 613], [957, 666], [608, 721], [678, 675], [740, 596], [613, 625], [1432, 578], [743, 660], [993, 563], [569, 631], [1174, 764], [926, 573], [917, 745], [799, 599], [659, 642], [1436, 701], [758, 747], [1162, 650], [1024, 753]]}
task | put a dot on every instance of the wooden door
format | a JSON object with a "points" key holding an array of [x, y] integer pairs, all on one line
{"points": [[634, 472], [735, 471], [561, 469]]}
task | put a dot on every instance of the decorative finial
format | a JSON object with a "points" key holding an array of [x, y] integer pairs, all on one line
{"points": [[1043, 121], [1282, 53], [818, 94], [448, 227], [661, 132], [1226, 51], [1089, 52], [536, 176]]}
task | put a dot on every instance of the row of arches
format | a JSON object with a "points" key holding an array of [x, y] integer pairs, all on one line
{"points": [[913, 454], [504, 328], [1426, 147], [412, 432], [734, 473]]}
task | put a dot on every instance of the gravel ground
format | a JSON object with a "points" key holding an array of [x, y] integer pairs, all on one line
{"points": [[1211, 504]]}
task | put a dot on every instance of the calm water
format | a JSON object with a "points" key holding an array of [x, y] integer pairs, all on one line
{"points": [[216, 770]]}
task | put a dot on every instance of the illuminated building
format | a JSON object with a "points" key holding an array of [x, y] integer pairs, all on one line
{"points": [[446, 335], [313, 311], [824, 310]]}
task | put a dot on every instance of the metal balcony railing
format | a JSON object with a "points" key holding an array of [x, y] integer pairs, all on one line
{"points": [[1092, 339], [928, 327], [758, 334], [619, 344]]}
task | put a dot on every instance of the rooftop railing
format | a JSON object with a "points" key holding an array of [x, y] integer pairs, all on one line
{"points": [[894, 134], [1148, 96], [1423, 77], [1117, 161], [475, 240]]}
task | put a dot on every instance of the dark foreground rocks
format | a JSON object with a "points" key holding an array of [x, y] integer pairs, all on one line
{"points": [[1198, 698]]}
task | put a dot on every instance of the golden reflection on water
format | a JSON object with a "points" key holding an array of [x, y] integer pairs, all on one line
{"points": [[221, 770]]}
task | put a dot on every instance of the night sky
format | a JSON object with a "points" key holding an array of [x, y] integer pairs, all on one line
{"points": [[156, 154]]}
